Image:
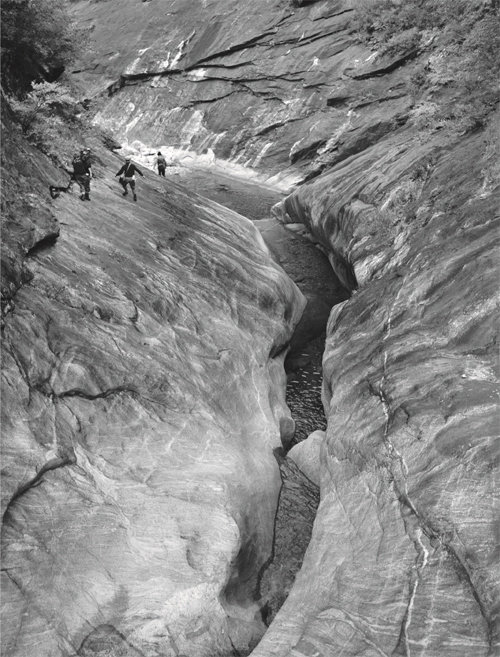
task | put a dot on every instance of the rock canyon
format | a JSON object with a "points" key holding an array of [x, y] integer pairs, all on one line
{"points": [[165, 493]]}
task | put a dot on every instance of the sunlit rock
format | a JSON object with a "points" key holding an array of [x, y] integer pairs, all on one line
{"points": [[307, 455], [403, 556], [113, 374], [143, 395]]}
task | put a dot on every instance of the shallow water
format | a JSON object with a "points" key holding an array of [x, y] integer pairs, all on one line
{"points": [[249, 198], [305, 264], [303, 392]]}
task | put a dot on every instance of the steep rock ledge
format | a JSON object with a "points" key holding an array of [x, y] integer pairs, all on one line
{"points": [[403, 555], [27, 216], [142, 398], [252, 82]]}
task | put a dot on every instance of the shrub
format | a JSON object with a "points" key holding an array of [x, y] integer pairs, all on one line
{"points": [[45, 100], [462, 37], [50, 117], [38, 40]]}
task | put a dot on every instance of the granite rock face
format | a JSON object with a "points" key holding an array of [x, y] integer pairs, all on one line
{"points": [[252, 81], [403, 558], [143, 395]]}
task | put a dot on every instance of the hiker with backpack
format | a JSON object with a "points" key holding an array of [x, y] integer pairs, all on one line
{"points": [[127, 176], [161, 163], [82, 173], [81, 166]]}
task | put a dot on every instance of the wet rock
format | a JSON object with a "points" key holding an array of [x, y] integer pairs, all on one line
{"points": [[247, 81], [403, 554]]}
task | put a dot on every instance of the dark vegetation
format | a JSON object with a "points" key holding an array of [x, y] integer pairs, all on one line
{"points": [[458, 83], [43, 124], [38, 41]]}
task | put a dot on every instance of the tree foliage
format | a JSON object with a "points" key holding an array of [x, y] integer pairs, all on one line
{"points": [[382, 20], [462, 39], [38, 40], [45, 101]]}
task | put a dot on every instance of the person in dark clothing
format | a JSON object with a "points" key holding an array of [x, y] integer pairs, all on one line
{"points": [[127, 176], [161, 163], [85, 156], [82, 173]]}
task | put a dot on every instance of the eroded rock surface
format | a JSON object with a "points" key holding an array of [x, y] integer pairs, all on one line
{"points": [[403, 558], [252, 81], [143, 394]]}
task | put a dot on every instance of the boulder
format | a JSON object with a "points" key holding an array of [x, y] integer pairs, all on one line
{"points": [[307, 454]]}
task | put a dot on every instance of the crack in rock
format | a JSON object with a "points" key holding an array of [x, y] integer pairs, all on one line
{"points": [[232, 49], [78, 392], [53, 464], [421, 561], [400, 483], [383, 69]]}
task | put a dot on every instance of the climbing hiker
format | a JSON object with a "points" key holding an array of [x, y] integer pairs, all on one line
{"points": [[161, 163], [85, 156], [127, 176], [82, 173]]}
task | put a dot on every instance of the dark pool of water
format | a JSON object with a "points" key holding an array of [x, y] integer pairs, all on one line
{"points": [[303, 391]]}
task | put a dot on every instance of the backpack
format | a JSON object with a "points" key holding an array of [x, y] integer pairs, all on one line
{"points": [[80, 166], [162, 162], [84, 157]]}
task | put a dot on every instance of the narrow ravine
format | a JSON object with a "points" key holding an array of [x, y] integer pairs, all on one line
{"points": [[305, 264], [309, 268], [210, 447]]}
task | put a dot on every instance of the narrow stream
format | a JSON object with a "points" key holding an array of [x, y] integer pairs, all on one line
{"points": [[307, 267]]}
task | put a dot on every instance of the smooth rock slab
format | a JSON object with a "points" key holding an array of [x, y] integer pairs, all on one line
{"points": [[143, 394], [403, 558]]}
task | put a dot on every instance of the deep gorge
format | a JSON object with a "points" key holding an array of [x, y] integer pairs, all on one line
{"points": [[255, 412]]}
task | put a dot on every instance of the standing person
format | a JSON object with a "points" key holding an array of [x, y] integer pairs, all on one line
{"points": [[82, 173], [161, 163], [85, 156], [127, 176]]}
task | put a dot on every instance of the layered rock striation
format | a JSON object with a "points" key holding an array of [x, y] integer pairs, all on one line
{"points": [[258, 83], [158, 404], [403, 558], [143, 395]]}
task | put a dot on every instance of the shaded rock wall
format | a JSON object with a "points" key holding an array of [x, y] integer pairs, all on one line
{"points": [[27, 217], [143, 394], [297, 506]]}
